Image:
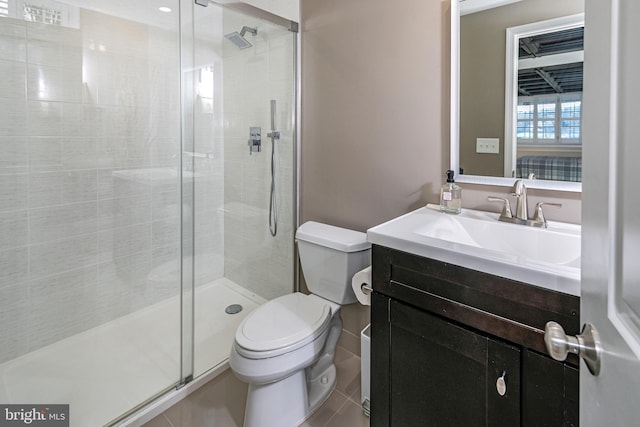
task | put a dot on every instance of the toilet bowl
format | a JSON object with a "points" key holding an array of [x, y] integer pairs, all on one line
{"points": [[285, 348]]}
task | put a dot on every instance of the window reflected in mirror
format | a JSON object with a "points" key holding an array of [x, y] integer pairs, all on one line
{"points": [[549, 108]]}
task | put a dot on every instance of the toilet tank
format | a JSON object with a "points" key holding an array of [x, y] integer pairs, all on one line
{"points": [[330, 256]]}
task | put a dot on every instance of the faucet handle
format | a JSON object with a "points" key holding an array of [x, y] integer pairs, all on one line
{"points": [[538, 216], [506, 207]]}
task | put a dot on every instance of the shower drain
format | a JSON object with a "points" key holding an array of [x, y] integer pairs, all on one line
{"points": [[233, 309]]}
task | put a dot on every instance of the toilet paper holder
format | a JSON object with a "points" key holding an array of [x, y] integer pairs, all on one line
{"points": [[366, 288], [361, 285]]}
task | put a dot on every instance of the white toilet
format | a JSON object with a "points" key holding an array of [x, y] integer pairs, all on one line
{"points": [[285, 348]]}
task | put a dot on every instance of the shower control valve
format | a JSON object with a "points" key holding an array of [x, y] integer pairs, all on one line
{"points": [[255, 139]]}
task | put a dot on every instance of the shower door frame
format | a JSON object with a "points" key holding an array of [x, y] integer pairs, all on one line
{"points": [[188, 145], [187, 58], [294, 27], [187, 383]]}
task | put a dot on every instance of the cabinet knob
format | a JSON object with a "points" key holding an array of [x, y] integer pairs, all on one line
{"points": [[501, 384]]}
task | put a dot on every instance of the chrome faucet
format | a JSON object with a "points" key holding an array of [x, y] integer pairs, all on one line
{"points": [[520, 191], [522, 211]]}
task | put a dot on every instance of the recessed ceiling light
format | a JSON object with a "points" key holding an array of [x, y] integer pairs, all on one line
{"points": [[164, 9]]}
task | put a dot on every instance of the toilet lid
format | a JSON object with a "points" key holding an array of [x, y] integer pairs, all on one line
{"points": [[287, 323]]}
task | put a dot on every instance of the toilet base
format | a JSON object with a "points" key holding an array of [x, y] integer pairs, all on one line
{"points": [[320, 388], [272, 404]]}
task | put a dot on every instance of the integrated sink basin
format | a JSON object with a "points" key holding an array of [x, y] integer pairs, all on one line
{"points": [[549, 258]]}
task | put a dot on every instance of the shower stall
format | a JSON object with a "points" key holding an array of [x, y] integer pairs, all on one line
{"points": [[137, 219]]}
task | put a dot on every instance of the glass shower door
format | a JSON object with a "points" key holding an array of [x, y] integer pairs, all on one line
{"points": [[134, 218], [90, 204], [243, 64]]}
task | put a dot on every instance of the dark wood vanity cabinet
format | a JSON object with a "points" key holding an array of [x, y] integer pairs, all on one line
{"points": [[457, 347]]}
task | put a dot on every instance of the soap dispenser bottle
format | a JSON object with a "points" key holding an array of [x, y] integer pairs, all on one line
{"points": [[450, 195]]}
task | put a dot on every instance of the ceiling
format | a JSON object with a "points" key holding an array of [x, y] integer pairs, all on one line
{"points": [[556, 78]]}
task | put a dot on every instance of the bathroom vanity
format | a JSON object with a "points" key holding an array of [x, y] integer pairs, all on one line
{"points": [[457, 346]]}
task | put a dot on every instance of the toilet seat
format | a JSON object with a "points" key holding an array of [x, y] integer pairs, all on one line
{"points": [[282, 325]]}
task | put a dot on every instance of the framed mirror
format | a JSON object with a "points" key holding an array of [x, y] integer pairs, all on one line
{"points": [[516, 92]]}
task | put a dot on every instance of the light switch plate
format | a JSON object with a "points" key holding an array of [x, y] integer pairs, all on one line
{"points": [[488, 145]]}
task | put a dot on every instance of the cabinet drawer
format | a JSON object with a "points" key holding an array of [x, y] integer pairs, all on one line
{"points": [[508, 309]]}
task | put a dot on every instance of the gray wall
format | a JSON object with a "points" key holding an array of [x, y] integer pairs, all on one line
{"points": [[374, 123], [374, 97]]}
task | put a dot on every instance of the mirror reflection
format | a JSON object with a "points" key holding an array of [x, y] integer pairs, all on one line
{"points": [[521, 89]]}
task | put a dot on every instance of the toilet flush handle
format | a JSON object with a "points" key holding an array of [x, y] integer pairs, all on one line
{"points": [[366, 288]]}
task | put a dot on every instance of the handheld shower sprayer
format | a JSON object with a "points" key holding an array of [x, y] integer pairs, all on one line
{"points": [[273, 208]]}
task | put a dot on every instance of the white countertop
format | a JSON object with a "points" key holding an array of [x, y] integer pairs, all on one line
{"points": [[545, 268]]}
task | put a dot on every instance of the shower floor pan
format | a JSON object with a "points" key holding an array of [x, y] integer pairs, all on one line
{"points": [[106, 371]]}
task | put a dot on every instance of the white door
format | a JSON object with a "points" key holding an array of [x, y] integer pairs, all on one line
{"points": [[611, 211]]}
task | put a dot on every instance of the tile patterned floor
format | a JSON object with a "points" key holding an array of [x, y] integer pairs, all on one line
{"points": [[343, 408]]}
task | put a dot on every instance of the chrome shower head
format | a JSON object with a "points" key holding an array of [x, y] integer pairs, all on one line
{"points": [[238, 38]]}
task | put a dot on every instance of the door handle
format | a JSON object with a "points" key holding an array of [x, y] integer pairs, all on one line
{"points": [[586, 345]]}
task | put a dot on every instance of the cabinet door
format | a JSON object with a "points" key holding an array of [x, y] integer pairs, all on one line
{"points": [[550, 392], [441, 374]]}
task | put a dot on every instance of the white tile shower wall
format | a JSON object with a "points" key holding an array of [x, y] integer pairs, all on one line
{"points": [[289, 9], [208, 144], [89, 197], [251, 78]]}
